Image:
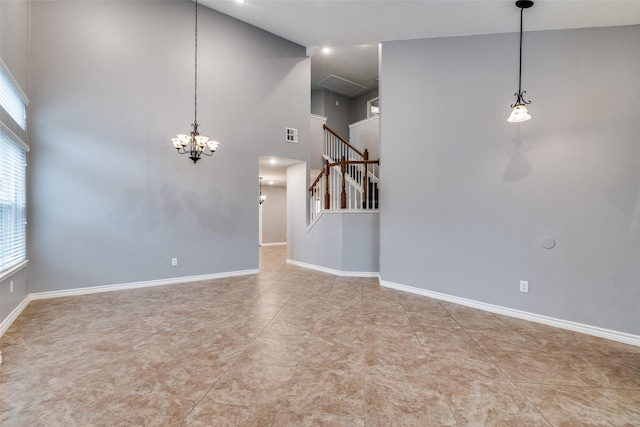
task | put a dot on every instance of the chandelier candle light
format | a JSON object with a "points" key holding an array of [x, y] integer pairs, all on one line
{"points": [[520, 112], [195, 144]]}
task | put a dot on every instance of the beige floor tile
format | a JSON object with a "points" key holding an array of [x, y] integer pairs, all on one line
{"points": [[502, 340], [288, 419], [610, 372], [296, 347], [413, 401], [478, 320], [323, 353], [141, 410], [490, 403], [539, 368], [273, 352], [252, 385], [210, 414], [471, 366], [322, 391], [579, 406]]}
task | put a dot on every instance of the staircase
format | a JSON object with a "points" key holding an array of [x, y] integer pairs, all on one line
{"points": [[349, 180]]}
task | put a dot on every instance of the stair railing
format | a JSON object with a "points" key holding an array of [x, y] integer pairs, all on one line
{"points": [[337, 187], [336, 147]]}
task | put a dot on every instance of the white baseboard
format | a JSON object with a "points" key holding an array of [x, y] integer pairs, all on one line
{"points": [[275, 244], [14, 315], [622, 337], [136, 285], [110, 288], [332, 271]]}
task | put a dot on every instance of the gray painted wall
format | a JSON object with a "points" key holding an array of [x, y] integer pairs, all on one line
{"points": [[467, 197], [297, 210], [14, 51], [336, 108], [316, 137], [365, 134], [112, 202], [359, 105], [343, 241], [274, 215], [317, 102], [345, 112]]}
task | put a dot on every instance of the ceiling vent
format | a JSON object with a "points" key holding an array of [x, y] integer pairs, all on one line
{"points": [[342, 86]]}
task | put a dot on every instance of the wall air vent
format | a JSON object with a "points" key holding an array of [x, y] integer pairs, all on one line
{"points": [[291, 135], [342, 86]]}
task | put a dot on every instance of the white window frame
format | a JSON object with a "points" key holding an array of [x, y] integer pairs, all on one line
{"points": [[13, 177], [12, 99], [373, 107]]}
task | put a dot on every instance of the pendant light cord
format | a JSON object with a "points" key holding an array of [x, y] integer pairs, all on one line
{"points": [[520, 67]]}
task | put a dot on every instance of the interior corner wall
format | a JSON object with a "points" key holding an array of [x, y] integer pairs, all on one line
{"points": [[112, 202], [467, 197], [14, 51]]}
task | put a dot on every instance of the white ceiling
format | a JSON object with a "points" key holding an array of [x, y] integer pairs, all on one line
{"points": [[354, 28], [313, 23], [273, 170]]}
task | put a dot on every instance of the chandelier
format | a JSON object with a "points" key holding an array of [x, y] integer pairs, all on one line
{"points": [[520, 112], [195, 144]]}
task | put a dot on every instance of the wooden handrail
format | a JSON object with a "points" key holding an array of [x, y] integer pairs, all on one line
{"points": [[332, 132], [355, 162], [346, 162], [316, 180]]}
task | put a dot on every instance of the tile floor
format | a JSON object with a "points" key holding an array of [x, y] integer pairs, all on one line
{"points": [[295, 347]]}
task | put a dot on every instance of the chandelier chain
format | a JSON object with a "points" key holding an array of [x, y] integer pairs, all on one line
{"points": [[195, 92], [195, 144]]}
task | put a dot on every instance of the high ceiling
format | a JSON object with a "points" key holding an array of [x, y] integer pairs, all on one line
{"points": [[353, 28], [313, 23]]}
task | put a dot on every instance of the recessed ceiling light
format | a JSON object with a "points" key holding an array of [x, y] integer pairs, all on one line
{"points": [[326, 50], [272, 161], [240, 1], [271, 183]]}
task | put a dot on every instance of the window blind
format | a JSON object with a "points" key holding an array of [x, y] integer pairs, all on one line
{"points": [[13, 206]]}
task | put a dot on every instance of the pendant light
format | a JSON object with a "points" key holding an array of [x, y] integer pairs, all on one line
{"points": [[195, 144], [520, 112], [261, 198]]}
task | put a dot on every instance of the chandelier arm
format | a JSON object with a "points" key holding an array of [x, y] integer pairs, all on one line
{"points": [[207, 154]]}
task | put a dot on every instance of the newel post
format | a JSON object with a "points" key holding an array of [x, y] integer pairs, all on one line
{"points": [[343, 195], [327, 196], [365, 180]]}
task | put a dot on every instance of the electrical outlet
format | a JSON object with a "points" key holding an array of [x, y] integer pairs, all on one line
{"points": [[11, 287], [174, 261], [524, 286]]}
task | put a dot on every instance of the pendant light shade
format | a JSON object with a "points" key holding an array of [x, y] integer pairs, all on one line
{"points": [[520, 112]]}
